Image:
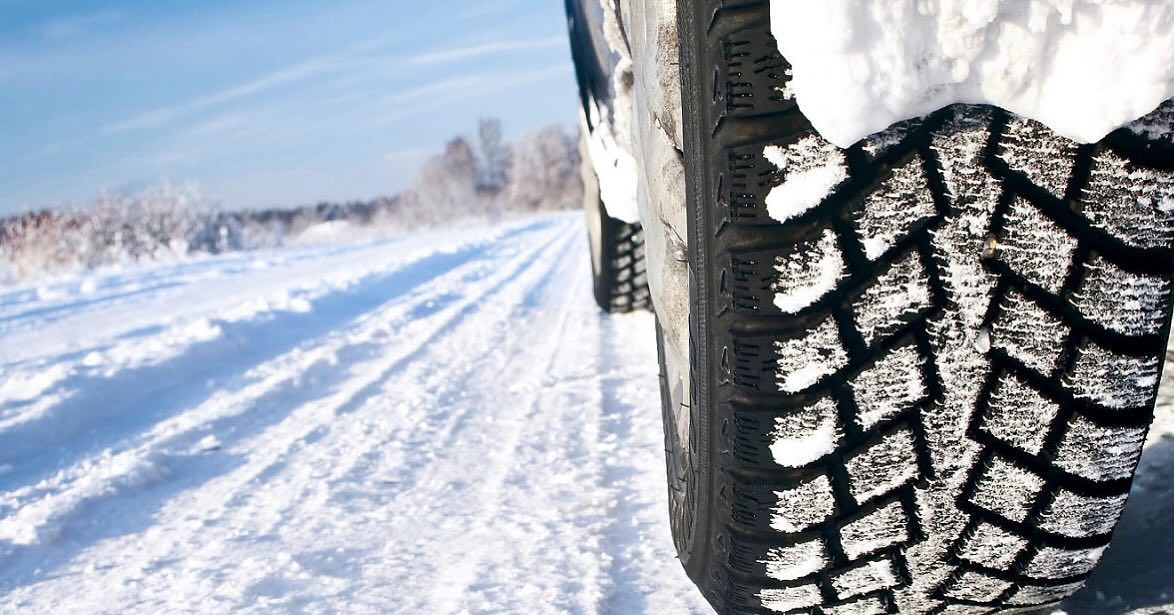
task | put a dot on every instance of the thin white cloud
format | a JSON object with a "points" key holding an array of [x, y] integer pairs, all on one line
{"points": [[372, 113], [77, 25], [417, 99], [331, 64], [164, 115], [217, 125], [322, 65], [487, 8], [461, 53]]}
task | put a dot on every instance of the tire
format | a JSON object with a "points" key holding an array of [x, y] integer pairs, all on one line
{"points": [[927, 391], [618, 274]]}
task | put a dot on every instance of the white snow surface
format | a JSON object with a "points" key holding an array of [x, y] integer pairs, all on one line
{"points": [[1081, 67], [436, 424]]}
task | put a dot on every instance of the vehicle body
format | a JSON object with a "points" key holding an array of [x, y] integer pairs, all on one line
{"points": [[922, 390]]}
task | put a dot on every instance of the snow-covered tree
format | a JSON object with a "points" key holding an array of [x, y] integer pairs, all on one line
{"points": [[495, 156], [545, 172]]}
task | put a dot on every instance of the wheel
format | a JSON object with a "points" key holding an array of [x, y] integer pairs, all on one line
{"points": [[618, 269], [617, 251], [921, 368]]}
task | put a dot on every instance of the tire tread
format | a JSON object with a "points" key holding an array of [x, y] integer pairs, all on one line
{"points": [[975, 163]]}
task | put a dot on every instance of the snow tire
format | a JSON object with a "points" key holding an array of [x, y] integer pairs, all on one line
{"points": [[618, 273], [927, 391]]}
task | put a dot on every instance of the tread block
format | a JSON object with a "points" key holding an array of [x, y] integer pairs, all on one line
{"points": [[796, 561], [805, 361], [893, 138], [1133, 203], [873, 605], [786, 599], [893, 384], [1099, 453], [1043, 594], [896, 297], [976, 587], [807, 272], [1124, 302], [1158, 126], [1018, 414], [1035, 247], [1113, 380], [1060, 563], [895, 208], [964, 609], [991, 546], [1078, 516], [1026, 331], [959, 146], [803, 506], [1007, 489], [880, 529], [883, 466], [866, 577], [802, 437], [1044, 157]]}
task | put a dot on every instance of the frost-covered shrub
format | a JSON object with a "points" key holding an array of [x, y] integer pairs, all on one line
{"points": [[153, 224], [156, 223], [539, 172], [545, 172]]}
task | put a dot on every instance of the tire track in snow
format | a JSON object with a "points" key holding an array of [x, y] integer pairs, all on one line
{"points": [[518, 269], [372, 417], [479, 454], [132, 399], [369, 423], [636, 534], [448, 596], [47, 503], [29, 307], [129, 334], [306, 420]]}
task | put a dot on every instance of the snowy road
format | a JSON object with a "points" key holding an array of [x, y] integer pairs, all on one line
{"points": [[437, 424]]}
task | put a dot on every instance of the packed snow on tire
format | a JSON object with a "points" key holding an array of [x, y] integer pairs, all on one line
{"points": [[1081, 67]]}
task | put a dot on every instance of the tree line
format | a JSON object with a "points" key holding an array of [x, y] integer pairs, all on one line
{"points": [[480, 179]]}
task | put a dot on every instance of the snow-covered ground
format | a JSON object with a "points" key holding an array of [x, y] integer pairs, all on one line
{"points": [[442, 423]]}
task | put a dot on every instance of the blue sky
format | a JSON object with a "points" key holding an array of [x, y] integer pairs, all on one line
{"points": [[263, 102]]}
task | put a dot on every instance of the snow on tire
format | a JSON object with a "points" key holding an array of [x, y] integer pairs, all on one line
{"points": [[923, 366]]}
